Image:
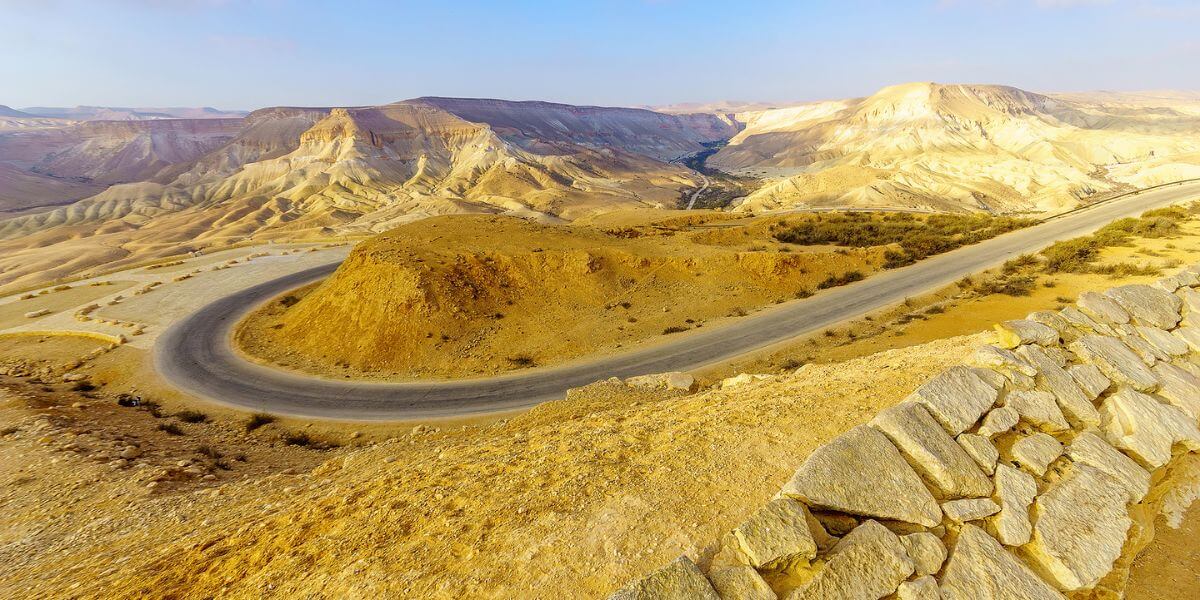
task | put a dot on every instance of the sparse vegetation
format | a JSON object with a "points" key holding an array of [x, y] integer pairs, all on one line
{"points": [[839, 280], [258, 420], [522, 361], [170, 428], [191, 416], [288, 301], [674, 329], [1078, 255]]}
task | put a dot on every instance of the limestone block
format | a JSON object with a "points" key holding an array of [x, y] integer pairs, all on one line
{"points": [[1189, 335], [740, 583], [680, 580], [1163, 341], [674, 380], [1015, 490], [1148, 305], [1057, 322], [956, 398], [1180, 388], [1036, 452], [1001, 360], [980, 568], [1146, 428], [860, 472], [1191, 303], [870, 562], [926, 551], [1039, 408], [931, 451], [1081, 527], [998, 421], [921, 588], [1090, 379], [1091, 450], [1084, 323], [1102, 308], [1011, 334], [1182, 279], [970, 509], [990, 377], [1116, 361], [777, 534], [1145, 350], [981, 449], [1072, 401]]}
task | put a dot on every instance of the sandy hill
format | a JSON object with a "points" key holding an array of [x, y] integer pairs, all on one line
{"points": [[964, 147]]}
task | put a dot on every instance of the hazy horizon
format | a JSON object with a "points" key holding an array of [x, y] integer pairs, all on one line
{"points": [[244, 55]]}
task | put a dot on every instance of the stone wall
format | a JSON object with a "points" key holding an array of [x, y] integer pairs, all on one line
{"points": [[1022, 474]]}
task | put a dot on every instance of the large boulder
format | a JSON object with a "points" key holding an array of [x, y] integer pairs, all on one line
{"points": [[956, 398], [1090, 449], [1116, 361], [1146, 428], [1081, 527], [860, 472], [981, 569], [870, 562], [1148, 305], [932, 451], [777, 534]]}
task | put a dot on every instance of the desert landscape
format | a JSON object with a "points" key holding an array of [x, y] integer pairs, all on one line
{"points": [[516, 302]]}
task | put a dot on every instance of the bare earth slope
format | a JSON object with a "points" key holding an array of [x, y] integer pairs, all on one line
{"points": [[964, 147]]}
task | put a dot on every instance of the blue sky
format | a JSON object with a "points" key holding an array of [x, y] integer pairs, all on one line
{"points": [[254, 53]]}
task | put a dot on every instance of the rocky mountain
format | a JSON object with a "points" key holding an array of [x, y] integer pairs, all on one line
{"points": [[963, 147], [116, 113], [8, 111]]}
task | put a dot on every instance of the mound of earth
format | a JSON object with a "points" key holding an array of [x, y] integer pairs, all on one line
{"points": [[468, 294]]}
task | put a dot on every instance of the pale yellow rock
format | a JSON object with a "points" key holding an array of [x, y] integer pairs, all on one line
{"points": [[926, 551], [1163, 341], [1035, 452], [981, 449], [921, 588], [870, 562], [1091, 450], [1011, 334], [931, 451], [1189, 335], [1085, 324], [740, 583], [1090, 379], [1146, 428], [970, 509], [1148, 305], [777, 535], [1102, 308], [1072, 401], [1057, 322], [981, 569], [1000, 360], [1015, 490], [680, 580], [1179, 387], [1145, 350], [1081, 527], [998, 421], [1039, 408], [1116, 361], [860, 472], [956, 398]]}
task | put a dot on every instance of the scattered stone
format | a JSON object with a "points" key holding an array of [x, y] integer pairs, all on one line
{"points": [[1163, 341], [1147, 428], [33, 314], [1148, 305], [740, 583], [860, 472], [1090, 379], [980, 568], [674, 380], [926, 551], [1016, 490], [1081, 527], [1179, 387], [998, 421], [956, 398], [870, 562], [1091, 450], [1036, 452], [921, 588], [1072, 401], [680, 580], [970, 509], [1102, 308], [1039, 408], [73, 377], [744, 379], [932, 452], [1011, 334], [131, 452], [1116, 361], [981, 450], [777, 535]]}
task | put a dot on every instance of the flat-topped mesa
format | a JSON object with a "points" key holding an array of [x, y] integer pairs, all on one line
{"points": [[1025, 464]]}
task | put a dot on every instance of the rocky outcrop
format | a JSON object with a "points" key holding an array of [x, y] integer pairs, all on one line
{"points": [[1039, 456]]}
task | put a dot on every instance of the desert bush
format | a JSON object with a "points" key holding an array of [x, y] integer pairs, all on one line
{"points": [[918, 236], [191, 416], [1071, 256], [522, 360], [674, 329], [170, 428], [843, 279], [258, 420]]}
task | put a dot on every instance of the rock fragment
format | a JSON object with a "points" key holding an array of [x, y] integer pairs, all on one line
{"points": [[860, 472], [680, 580], [1179, 387], [998, 421], [740, 583], [1148, 305], [1090, 379], [1147, 428], [981, 449], [980, 567], [1116, 361], [777, 534], [1163, 341], [1072, 401], [970, 509], [1016, 490], [1040, 409], [956, 398], [1081, 527], [921, 588], [931, 451], [1189, 335], [1036, 452], [926, 551], [1091, 450], [870, 562], [1102, 308], [1011, 334]]}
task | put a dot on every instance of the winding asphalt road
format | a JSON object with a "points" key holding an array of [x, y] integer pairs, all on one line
{"points": [[195, 354]]}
